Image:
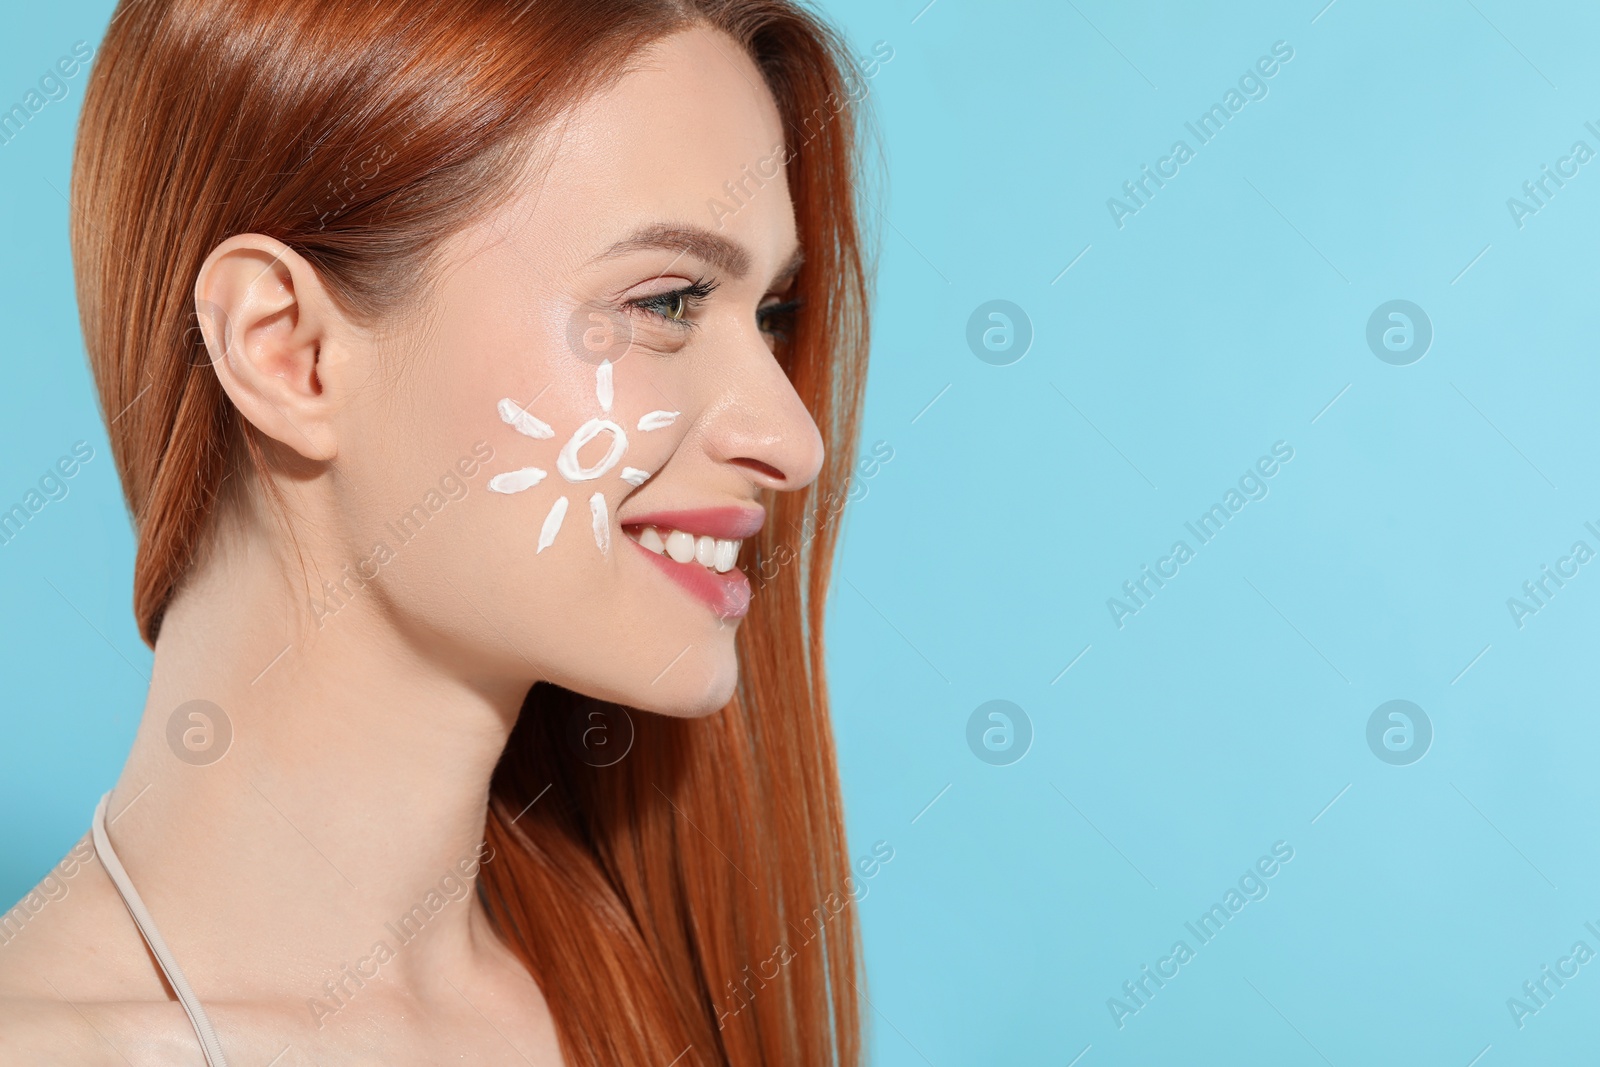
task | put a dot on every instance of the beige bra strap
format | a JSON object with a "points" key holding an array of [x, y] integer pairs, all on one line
{"points": [[152, 937]]}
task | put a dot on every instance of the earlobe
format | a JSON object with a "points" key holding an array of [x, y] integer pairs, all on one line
{"points": [[265, 319]]}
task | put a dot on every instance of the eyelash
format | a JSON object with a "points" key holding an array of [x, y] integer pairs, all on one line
{"points": [[776, 319], [693, 295]]}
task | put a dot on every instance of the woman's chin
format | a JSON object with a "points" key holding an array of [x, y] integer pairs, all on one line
{"points": [[692, 696]]}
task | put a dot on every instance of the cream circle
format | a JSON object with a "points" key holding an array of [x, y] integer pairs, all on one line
{"points": [[567, 461]]}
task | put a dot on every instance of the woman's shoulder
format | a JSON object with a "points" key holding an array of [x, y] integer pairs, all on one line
{"points": [[45, 1030], [92, 1033], [72, 928], [75, 977]]}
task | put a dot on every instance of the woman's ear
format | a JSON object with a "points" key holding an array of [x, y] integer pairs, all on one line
{"points": [[267, 323]]}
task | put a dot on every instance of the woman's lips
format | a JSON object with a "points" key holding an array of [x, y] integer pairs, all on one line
{"points": [[726, 593], [698, 549]]}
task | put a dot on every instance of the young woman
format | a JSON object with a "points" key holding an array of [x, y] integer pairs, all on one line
{"points": [[476, 373]]}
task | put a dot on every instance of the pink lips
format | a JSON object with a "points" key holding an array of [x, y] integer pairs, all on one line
{"points": [[727, 594]]}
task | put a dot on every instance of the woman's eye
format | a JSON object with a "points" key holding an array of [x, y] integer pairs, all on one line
{"points": [[670, 306], [675, 306], [776, 319]]}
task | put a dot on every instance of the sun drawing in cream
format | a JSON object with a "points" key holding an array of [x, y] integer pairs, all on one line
{"points": [[567, 462]]}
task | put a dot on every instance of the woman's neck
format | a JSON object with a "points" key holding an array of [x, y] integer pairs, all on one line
{"points": [[348, 807]]}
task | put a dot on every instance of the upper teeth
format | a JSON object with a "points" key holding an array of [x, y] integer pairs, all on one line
{"points": [[714, 552]]}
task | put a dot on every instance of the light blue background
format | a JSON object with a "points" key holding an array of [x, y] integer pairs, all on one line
{"points": [[1232, 709]]}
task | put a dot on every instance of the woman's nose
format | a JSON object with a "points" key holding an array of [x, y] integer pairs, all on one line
{"points": [[760, 423]]}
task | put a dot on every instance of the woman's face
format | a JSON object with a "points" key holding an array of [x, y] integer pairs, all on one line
{"points": [[594, 399]]}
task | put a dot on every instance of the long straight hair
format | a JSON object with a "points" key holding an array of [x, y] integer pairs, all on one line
{"points": [[689, 904]]}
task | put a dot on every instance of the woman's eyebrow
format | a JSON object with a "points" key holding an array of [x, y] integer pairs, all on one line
{"points": [[727, 255], [721, 252]]}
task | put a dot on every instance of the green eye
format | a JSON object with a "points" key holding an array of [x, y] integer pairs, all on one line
{"points": [[675, 306]]}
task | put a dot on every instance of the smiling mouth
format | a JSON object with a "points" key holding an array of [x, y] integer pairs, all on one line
{"points": [[715, 553], [701, 561]]}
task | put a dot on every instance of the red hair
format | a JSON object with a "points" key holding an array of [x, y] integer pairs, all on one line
{"points": [[652, 899]]}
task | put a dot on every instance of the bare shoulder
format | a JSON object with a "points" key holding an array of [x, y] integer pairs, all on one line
{"points": [[71, 935], [39, 1031], [74, 974], [43, 1031]]}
